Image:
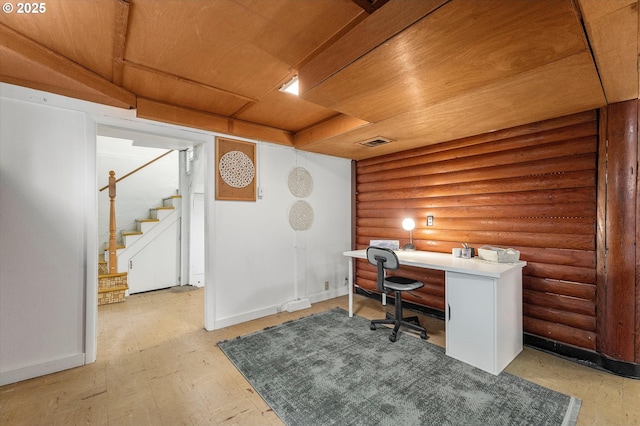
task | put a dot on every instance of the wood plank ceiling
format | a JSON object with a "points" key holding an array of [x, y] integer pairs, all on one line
{"points": [[417, 72]]}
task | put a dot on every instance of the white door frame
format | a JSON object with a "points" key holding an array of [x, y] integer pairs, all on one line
{"points": [[126, 120]]}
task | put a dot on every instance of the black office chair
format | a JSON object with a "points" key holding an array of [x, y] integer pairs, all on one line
{"points": [[386, 259]]}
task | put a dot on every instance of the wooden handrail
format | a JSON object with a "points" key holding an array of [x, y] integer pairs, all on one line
{"points": [[139, 168], [113, 259]]}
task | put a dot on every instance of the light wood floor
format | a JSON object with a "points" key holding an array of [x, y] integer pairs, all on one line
{"points": [[158, 366]]}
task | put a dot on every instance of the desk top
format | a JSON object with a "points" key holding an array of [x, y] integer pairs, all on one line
{"points": [[446, 262]]}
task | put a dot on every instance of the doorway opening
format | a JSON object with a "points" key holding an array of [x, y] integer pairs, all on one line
{"points": [[160, 207]]}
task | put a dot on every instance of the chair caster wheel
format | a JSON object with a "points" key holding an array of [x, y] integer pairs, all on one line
{"points": [[393, 337], [423, 336], [372, 326]]}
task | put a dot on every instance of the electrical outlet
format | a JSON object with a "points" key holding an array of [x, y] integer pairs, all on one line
{"points": [[326, 285], [429, 220]]}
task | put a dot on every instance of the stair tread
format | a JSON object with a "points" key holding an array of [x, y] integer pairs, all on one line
{"points": [[119, 246], [117, 274], [113, 289], [136, 232]]}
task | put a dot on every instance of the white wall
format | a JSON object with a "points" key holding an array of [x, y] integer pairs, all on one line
{"points": [[255, 263], [47, 162], [259, 262], [330, 235]]}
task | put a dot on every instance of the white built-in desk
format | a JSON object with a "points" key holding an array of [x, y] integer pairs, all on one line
{"points": [[483, 306]]}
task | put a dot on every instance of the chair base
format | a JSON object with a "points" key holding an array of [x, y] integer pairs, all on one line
{"points": [[398, 321]]}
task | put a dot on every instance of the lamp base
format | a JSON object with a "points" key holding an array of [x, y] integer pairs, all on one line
{"points": [[409, 247]]}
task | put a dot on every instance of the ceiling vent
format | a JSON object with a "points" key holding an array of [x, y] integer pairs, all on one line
{"points": [[377, 141]]}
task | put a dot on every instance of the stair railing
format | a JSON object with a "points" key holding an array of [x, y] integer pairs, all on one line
{"points": [[138, 169], [113, 246], [113, 259]]}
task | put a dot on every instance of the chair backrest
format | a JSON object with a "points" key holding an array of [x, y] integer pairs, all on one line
{"points": [[383, 259]]}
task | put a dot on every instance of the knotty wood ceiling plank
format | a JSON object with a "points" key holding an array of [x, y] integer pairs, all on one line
{"points": [[595, 9], [212, 49], [537, 95], [25, 62], [472, 66], [370, 33], [81, 31], [463, 46], [242, 47], [612, 28]]}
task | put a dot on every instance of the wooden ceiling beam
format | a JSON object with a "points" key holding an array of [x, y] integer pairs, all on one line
{"points": [[75, 80], [154, 110], [388, 21], [335, 126], [119, 42], [154, 71]]}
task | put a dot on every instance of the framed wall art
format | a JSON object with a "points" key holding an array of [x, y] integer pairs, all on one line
{"points": [[236, 170]]}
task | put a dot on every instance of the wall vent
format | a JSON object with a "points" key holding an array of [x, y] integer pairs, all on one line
{"points": [[377, 141]]}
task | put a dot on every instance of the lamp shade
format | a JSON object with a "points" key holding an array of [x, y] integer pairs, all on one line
{"points": [[408, 224]]}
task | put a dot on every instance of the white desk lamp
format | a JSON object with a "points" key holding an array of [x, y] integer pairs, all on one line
{"points": [[408, 224]]}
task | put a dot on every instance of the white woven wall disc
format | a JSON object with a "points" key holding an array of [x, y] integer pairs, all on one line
{"points": [[236, 169]]}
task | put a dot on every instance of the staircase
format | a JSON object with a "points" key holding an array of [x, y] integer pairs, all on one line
{"points": [[144, 225], [112, 287]]}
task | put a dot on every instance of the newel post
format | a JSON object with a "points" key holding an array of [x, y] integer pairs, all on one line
{"points": [[113, 260]]}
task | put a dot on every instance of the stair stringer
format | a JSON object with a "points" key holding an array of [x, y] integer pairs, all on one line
{"points": [[128, 252]]}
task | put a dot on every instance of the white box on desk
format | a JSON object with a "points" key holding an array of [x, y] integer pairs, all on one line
{"points": [[388, 244]]}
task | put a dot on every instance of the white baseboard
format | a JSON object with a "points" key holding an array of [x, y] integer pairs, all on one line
{"points": [[271, 310], [37, 370], [247, 316], [329, 294]]}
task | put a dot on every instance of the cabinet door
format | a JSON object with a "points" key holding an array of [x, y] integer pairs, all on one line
{"points": [[470, 320], [156, 266]]}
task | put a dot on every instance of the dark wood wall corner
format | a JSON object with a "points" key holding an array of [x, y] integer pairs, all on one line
{"points": [[353, 203], [601, 252], [637, 249], [618, 294]]}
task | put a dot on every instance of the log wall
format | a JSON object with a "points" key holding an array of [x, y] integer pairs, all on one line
{"points": [[619, 258], [532, 188]]}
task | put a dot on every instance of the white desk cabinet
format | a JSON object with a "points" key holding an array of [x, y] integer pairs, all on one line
{"points": [[484, 319], [483, 306]]}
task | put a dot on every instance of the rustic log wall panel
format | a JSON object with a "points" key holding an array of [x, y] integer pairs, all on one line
{"points": [[618, 293], [532, 188]]}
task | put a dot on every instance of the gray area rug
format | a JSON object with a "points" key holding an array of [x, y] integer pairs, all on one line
{"points": [[329, 369]]}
